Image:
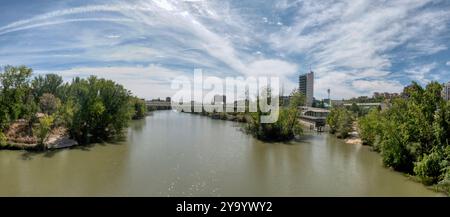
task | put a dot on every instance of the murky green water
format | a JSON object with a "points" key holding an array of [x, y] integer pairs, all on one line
{"points": [[173, 154]]}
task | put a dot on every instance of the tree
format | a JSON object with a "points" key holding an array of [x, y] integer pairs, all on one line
{"points": [[413, 133], [14, 90], [285, 128], [48, 103], [370, 128], [101, 109], [49, 83], [340, 121], [89, 108], [139, 107], [44, 128]]}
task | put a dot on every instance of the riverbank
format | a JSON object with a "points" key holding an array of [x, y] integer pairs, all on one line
{"points": [[18, 138], [355, 139], [226, 116]]}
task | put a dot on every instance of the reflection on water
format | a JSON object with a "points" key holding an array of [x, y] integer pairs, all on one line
{"points": [[174, 154]]}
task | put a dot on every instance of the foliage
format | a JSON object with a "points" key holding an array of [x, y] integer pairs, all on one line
{"points": [[413, 133], [88, 108], [140, 108], [358, 111], [430, 168], [151, 108], [64, 114], [48, 103], [44, 128], [3, 139], [370, 128], [14, 91], [340, 121], [49, 83], [285, 128], [101, 109]]}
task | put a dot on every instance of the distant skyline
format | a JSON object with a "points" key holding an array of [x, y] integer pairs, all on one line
{"points": [[354, 47]]}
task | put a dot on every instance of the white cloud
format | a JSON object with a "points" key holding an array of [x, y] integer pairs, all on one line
{"points": [[377, 85], [421, 73], [355, 38], [349, 44], [271, 67], [145, 81]]}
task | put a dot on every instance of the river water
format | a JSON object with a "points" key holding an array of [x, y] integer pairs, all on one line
{"points": [[179, 154]]}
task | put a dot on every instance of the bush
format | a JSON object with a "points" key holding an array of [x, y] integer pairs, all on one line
{"points": [[340, 121], [285, 128], [370, 128], [101, 109], [413, 133], [139, 108], [48, 103], [89, 108], [3, 139], [429, 169], [44, 128]]}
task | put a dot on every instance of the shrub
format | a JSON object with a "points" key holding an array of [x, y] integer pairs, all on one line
{"points": [[340, 121], [3, 139], [139, 108], [285, 128], [429, 169], [370, 128], [44, 128], [48, 103]]}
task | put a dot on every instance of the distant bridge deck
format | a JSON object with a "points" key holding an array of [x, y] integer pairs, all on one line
{"points": [[159, 104], [369, 104]]}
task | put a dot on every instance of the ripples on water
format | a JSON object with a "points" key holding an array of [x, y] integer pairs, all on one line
{"points": [[179, 154]]}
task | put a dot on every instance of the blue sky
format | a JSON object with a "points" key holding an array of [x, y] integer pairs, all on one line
{"points": [[355, 47]]}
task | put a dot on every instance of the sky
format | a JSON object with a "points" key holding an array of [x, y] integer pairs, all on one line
{"points": [[355, 47]]}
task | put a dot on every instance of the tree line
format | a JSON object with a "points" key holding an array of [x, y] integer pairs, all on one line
{"points": [[412, 134], [92, 109]]}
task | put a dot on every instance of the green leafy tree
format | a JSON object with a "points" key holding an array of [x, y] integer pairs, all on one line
{"points": [[413, 133], [340, 121], [14, 91], [139, 108], [44, 128], [102, 109], [49, 83], [285, 128], [370, 128]]}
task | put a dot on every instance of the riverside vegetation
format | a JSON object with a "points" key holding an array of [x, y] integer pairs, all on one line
{"points": [[86, 110], [412, 134], [285, 128]]}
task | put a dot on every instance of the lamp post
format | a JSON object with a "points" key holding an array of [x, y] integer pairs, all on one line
{"points": [[329, 99]]}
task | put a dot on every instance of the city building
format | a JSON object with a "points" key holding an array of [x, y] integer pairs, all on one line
{"points": [[446, 91], [385, 95], [306, 87]]}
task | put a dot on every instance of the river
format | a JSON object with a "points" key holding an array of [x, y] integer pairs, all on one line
{"points": [[179, 154]]}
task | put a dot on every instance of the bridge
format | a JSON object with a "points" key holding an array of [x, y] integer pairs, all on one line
{"points": [[159, 105], [316, 117], [365, 105]]}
